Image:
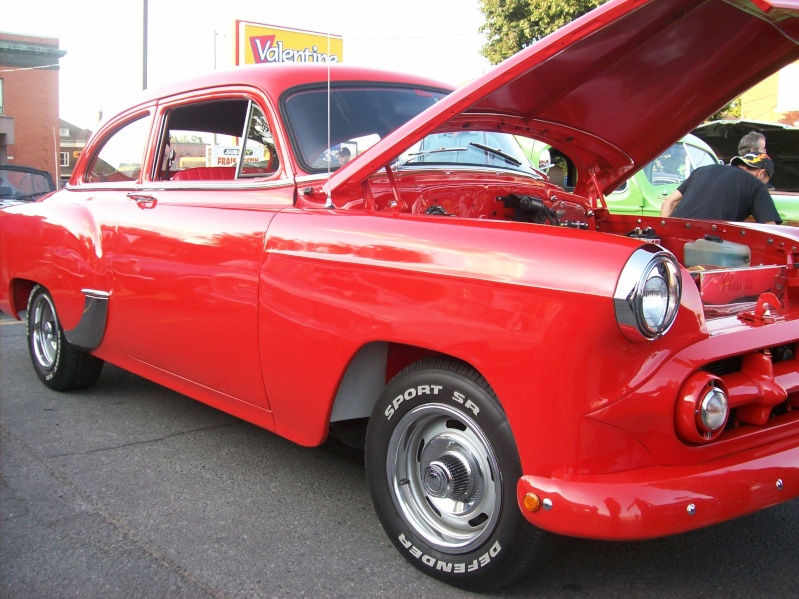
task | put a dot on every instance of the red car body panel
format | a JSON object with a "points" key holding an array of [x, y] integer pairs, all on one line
{"points": [[654, 502], [253, 297]]}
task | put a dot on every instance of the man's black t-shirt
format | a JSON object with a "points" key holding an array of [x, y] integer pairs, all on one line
{"points": [[722, 192]]}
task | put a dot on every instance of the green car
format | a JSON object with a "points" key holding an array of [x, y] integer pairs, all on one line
{"points": [[644, 191]]}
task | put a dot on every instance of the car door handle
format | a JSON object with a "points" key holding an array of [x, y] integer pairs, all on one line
{"points": [[143, 200]]}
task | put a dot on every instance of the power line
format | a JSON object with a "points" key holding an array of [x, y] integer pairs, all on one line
{"points": [[44, 66], [411, 37]]}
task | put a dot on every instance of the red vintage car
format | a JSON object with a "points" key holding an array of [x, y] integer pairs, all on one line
{"points": [[529, 364]]}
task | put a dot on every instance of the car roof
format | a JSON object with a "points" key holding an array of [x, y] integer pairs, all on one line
{"points": [[626, 80], [274, 79]]}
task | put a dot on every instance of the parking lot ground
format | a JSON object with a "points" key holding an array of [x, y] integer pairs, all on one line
{"points": [[129, 490]]}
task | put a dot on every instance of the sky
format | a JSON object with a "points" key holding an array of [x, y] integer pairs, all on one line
{"points": [[102, 70]]}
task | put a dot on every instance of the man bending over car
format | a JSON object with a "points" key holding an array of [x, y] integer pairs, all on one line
{"points": [[731, 192]]}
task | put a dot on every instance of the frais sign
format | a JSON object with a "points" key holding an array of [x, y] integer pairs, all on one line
{"points": [[229, 155]]}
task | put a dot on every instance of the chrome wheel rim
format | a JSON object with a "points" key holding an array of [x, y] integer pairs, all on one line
{"points": [[444, 478], [44, 335]]}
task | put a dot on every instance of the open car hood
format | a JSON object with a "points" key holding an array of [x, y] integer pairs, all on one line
{"points": [[618, 85], [782, 144]]}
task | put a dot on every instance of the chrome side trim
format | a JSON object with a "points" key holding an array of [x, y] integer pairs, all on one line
{"points": [[96, 293], [216, 184], [91, 328]]}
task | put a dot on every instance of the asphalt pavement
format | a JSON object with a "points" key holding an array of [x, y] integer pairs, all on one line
{"points": [[128, 490]]}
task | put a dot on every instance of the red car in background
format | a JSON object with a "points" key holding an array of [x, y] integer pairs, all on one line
{"points": [[526, 363]]}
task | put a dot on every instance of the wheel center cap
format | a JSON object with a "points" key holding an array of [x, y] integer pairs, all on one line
{"points": [[437, 480], [448, 477]]}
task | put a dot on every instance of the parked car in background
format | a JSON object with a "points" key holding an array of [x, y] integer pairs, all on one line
{"points": [[641, 194], [782, 144], [23, 184], [522, 362]]}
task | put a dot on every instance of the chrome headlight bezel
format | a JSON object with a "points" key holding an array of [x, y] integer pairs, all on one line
{"points": [[648, 293], [713, 411]]}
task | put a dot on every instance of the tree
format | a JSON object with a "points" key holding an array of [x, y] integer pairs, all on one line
{"points": [[730, 111], [512, 25], [186, 139]]}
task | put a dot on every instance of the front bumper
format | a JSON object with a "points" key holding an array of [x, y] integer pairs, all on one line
{"points": [[664, 500]]}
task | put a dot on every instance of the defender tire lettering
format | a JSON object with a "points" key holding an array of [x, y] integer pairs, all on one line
{"points": [[456, 567]]}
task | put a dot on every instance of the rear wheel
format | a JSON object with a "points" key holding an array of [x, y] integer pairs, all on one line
{"points": [[58, 364], [442, 468]]}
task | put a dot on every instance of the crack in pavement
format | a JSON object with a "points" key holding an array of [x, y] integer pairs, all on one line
{"points": [[145, 442], [116, 523]]}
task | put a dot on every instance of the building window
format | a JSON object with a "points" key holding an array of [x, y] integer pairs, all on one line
{"points": [[64, 131], [1, 96], [64, 158]]}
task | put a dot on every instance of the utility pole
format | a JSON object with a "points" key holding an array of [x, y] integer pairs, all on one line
{"points": [[144, 47]]}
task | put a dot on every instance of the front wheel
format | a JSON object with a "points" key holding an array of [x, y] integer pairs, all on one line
{"points": [[442, 468], [58, 364]]}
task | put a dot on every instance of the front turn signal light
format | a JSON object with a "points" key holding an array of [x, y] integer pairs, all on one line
{"points": [[532, 502]]}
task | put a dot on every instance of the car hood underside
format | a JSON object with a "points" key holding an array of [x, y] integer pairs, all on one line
{"points": [[626, 80]]}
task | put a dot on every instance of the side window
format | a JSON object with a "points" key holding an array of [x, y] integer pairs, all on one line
{"points": [[557, 166], [260, 156], [222, 140], [670, 167], [675, 164], [562, 171], [621, 188], [119, 160], [699, 157]]}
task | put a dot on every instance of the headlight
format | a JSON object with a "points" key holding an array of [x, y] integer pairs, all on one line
{"points": [[713, 410], [702, 408], [648, 293]]}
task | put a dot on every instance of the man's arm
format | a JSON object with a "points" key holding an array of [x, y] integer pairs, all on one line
{"points": [[764, 211], [670, 203]]}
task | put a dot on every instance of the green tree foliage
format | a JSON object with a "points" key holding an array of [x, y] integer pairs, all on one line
{"points": [[730, 111], [186, 139], [512, 25]]}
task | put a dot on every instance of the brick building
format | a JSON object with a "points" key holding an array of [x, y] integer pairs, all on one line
{"points": [[29, 123]]}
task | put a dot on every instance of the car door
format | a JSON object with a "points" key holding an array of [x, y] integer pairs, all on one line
{"points": [[189, 246]]}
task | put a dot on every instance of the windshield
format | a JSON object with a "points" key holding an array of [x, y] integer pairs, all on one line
{"points": [[467, 149], [360, 115]]}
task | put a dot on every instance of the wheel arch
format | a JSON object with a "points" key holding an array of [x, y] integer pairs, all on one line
{"points": [[58, 245], [19, 291], [361, 384], [370, 370]]}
